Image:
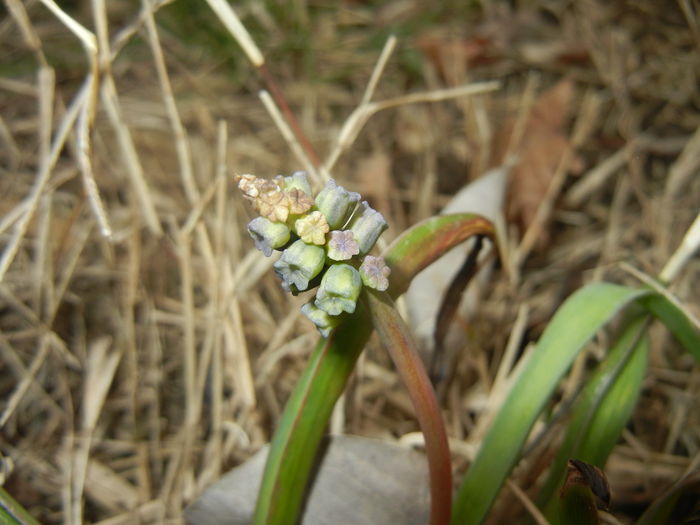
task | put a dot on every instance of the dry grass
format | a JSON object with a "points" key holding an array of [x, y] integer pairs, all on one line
{"points": [[145, 347]]}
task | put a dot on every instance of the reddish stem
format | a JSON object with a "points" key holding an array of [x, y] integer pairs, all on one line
{"points": [[397, 340]]}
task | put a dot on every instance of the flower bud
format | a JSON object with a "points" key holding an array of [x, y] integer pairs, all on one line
{"points": [[339, 290], [324, 322], [273, 204], [299, 202], [248, 184], [367, 226], [336, 203], [297, 180], [342, 246], [375, 273], [299, 264], [268, 235]]}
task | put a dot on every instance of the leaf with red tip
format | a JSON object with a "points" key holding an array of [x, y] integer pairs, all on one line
{"points": [[306, 415]]}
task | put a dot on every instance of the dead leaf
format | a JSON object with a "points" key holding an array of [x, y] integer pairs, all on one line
{"points": [[449, 53], [359, 481], [554, 52], [585, 474], [539, 151]]}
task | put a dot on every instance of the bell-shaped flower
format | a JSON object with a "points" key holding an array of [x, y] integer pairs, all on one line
{"points": [[375, 273], [336, 203], [341, 246], [312, 228], [268, 235], [367, 225], [299, 264], [339, 290], [324, 322]]}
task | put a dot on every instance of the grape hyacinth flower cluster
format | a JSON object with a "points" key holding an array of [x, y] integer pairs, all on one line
{"points": [[324, 240]]}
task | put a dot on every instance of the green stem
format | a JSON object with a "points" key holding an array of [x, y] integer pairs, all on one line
{"points": [[293, 448]]}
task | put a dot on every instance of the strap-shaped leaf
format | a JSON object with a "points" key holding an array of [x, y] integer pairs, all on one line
{"points": [[675, 320], [602, 411], [574, 324], [306, 415], [426, 242], [617, 405], [302, 425]]}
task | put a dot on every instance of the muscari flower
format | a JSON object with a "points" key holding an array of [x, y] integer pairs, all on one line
{"points": [[249, 185], [367, 226], [299, 264], [312, 228], [374, 273], [296, 180], [324, 322], [339, 289], [268, 235], [284, 203], [336, 203], [299, 202], [273, 205], [342, 246], [298, 191]]}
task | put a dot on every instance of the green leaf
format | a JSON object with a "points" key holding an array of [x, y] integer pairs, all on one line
{"points": [[357, 481], [604, 407], [608, 399], [612, 413], [578, 507], [676, 321], [12, 513], [426, 242], [574, 324], [296, 440], [397, 340], [306, 415]]}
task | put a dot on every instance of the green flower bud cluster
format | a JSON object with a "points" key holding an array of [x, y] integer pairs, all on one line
{"points": [[324, 242]]}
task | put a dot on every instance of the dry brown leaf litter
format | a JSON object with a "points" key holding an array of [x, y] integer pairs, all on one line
{"points": [[165, 308]]}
